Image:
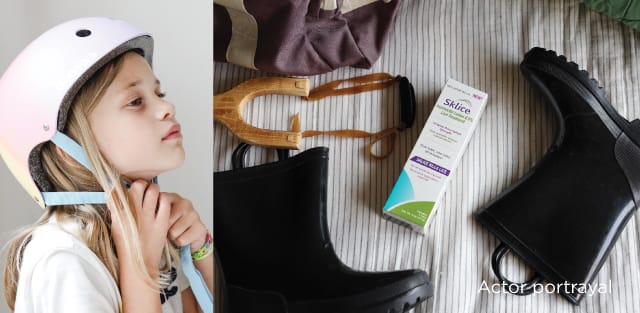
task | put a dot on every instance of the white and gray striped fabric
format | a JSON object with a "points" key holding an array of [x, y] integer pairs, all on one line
{"points": [[480, 43]]}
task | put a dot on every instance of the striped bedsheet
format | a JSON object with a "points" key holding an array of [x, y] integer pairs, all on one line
{"points": [[479, 43]]}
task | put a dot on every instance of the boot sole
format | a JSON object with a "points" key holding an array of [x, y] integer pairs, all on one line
{"points": [[403, 306], [397, 304], [404, 302]]}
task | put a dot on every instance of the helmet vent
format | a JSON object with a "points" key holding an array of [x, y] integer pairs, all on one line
{"points": [[83, 33]]}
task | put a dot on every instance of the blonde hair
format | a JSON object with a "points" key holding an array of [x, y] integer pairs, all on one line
{"points": [[88, 222]]}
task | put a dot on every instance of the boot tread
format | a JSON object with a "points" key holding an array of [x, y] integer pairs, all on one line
{"points": [[591, 83], [406, 306], [574, 66]]}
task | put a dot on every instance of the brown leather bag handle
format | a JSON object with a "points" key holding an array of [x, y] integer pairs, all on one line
{"points": [[365, 83]]}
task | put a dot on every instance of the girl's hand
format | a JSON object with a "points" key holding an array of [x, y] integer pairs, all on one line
{"points": [[152, 210], [185, 226]]}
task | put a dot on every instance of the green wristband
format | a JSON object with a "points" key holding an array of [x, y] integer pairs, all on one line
{"points": [[205, 250]]}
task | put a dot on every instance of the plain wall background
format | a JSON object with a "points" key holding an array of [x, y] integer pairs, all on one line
{"points": [[183, 35]]}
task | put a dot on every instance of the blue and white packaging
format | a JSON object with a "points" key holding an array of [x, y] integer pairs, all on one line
{"points": [[443, 140]]}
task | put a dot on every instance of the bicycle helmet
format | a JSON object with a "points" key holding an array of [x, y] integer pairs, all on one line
{"points": [[38, 87]]}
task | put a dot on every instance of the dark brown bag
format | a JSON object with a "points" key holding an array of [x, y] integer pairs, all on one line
{"points": [[296, 37]]}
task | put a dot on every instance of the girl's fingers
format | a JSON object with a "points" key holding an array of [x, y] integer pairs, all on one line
{"points": [[178, 227], [175, 201], [185, 225], [150, 202], [193, 235], [164, 211], [136, 192]]}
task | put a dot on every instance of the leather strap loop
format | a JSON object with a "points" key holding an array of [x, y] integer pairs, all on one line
{"points": [[239, 155], [366, 83], [522, 289], [362, 83], [389, 133]]}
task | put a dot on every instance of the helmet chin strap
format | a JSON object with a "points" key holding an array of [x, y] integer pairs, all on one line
{"points": [[73, 149]]}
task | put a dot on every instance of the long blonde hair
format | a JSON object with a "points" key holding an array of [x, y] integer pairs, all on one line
{"points": [[90, 223]]}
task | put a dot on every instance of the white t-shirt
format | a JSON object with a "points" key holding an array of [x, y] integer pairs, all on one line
{"points": [[59, 273]]}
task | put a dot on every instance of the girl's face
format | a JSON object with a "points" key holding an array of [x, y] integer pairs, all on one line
{"points": [[135, 128]]}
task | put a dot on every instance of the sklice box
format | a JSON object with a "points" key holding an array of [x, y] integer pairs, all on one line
{"points": [[443, 140]]}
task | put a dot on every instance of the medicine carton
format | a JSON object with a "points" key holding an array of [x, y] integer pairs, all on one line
{"points": [[423, 180]]}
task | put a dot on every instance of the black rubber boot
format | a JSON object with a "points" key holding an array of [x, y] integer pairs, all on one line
{"points": [[564, 216], [271, 234]]}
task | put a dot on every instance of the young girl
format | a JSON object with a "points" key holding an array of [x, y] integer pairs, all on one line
{"points": [[85, 130]]}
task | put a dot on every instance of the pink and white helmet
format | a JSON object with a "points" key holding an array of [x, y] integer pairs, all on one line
{"points": [[38, 87]]}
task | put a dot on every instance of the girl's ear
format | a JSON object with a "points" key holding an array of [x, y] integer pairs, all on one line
{"points": [[66, 157]]}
